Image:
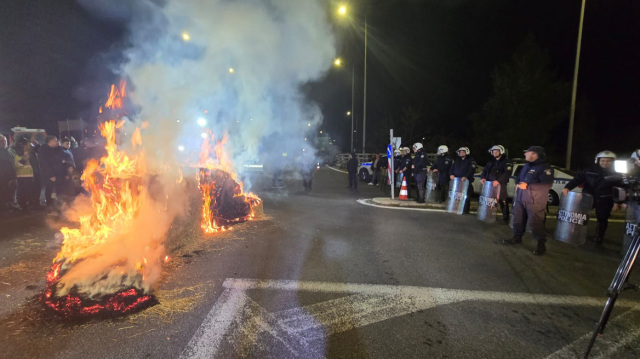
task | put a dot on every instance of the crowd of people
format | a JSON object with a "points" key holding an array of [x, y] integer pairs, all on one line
{"points": [[533, 183], [37, 177]]}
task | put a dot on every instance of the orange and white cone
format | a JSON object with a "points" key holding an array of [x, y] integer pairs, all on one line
{"points": [[403, 190]]}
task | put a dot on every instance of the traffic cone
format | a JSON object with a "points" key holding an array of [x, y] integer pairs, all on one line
{"points": [[403, 190]]}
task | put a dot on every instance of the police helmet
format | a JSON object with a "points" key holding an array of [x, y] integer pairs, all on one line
{"points": [[605, 154], [497, 147], [636, 154], [465, 149], [443, 149], [417, 146]]}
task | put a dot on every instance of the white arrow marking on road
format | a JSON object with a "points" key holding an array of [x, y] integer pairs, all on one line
{"points": [[239, 320]]}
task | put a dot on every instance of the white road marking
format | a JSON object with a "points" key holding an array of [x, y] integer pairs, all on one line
{"points": [[337, 170], [239, 321], [620, 331], [364, 201]]}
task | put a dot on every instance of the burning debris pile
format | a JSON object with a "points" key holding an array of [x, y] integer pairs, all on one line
{"points": [[109, 260], [223, 200]]}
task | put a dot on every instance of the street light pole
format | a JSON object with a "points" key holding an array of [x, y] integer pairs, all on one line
{"points": [[575, 88], [364, 110], [353, 82]]}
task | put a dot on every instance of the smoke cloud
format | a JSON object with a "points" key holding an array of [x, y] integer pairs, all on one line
{"points": [[237, 64]]}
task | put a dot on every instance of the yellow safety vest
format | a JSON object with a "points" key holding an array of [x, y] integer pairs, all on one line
{"points": [[23, 170]]}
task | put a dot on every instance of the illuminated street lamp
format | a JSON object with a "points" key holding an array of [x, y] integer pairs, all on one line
{"points": [[202, 122], [338, 62], [342, 11], [186, 36]]}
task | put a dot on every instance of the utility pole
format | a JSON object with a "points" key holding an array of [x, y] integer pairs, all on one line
{"points": [[575, 89], [364, 110]]}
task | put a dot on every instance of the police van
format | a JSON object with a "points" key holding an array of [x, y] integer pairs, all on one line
{"points": [[560, 178]]}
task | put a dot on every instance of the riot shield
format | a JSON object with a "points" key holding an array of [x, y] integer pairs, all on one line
{"points": [[631, 225], [573, 217], [431, 194], [457, 195], [488, 202]]}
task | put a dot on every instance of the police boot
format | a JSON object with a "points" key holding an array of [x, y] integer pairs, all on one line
{"points": [[514, 240], [540, 249]]}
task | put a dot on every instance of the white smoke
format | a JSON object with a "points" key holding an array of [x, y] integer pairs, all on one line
{"points": [[243, 64], [273, 47]]}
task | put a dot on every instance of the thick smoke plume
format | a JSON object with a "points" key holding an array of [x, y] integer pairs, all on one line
{"points": [[237, 64]]}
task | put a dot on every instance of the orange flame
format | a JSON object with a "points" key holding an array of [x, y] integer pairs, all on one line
{"points": [[219, 161]]}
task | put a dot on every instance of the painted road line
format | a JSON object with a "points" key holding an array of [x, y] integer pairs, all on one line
{"points": [[366, 203], [241, 323], [337, 170], [207, 339], [620, 331]]}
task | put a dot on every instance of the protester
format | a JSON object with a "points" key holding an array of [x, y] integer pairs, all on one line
{"points": [[375, 168], [352, 168], [50, 158], [8, 178], [28, 191]]}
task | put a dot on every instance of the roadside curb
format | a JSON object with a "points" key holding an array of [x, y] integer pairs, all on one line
{"points": [[383, 202], [335, 169]]}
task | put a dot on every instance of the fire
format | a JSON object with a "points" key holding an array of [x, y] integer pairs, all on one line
{"points": [[92, 272], [218, 183]]}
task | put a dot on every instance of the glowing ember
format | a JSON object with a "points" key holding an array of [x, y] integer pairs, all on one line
{"points": [[223, 200]]}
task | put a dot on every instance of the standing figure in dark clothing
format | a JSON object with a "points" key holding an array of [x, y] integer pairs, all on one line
{"points": [[498, 172], [596, 184], [50, 158], [405, 168], [464, 167], [442, 168], [420, 168], [8, 177], [352, 168], [67, 156], [530, 200], [307, 165], [375, 168]]}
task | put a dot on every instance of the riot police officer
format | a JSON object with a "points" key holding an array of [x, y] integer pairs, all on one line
{"points": [[405, 168], [498, 172], [442, 167], [595, 184], [464, 167], [420, 169], [530, 200]]}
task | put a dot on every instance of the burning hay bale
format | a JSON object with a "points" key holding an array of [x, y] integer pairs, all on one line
{"points": [[224, 201]]}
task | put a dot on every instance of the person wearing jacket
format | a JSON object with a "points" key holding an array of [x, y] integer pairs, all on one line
{"points": [[50, 158], [405, 168], [375, 168], [352, 168], [420, 168], [8, 177], [498, 172], [595, 183], [442, 167], [28, 192], [464, 167], [530, 200]]}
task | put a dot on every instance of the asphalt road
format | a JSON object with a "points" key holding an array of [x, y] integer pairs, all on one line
{"points": [[321, 275]]}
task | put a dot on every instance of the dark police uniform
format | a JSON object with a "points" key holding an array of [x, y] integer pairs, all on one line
{"points": [[529, 204], [443, 165], [464, 167], [499, 170], [595, 184], [421, 164], [405, 169]]}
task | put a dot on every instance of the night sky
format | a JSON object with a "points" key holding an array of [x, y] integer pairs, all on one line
{"points": [[433, 55]]}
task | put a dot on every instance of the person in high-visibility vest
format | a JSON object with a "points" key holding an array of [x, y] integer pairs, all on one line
{"points": [[28, 194]]}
